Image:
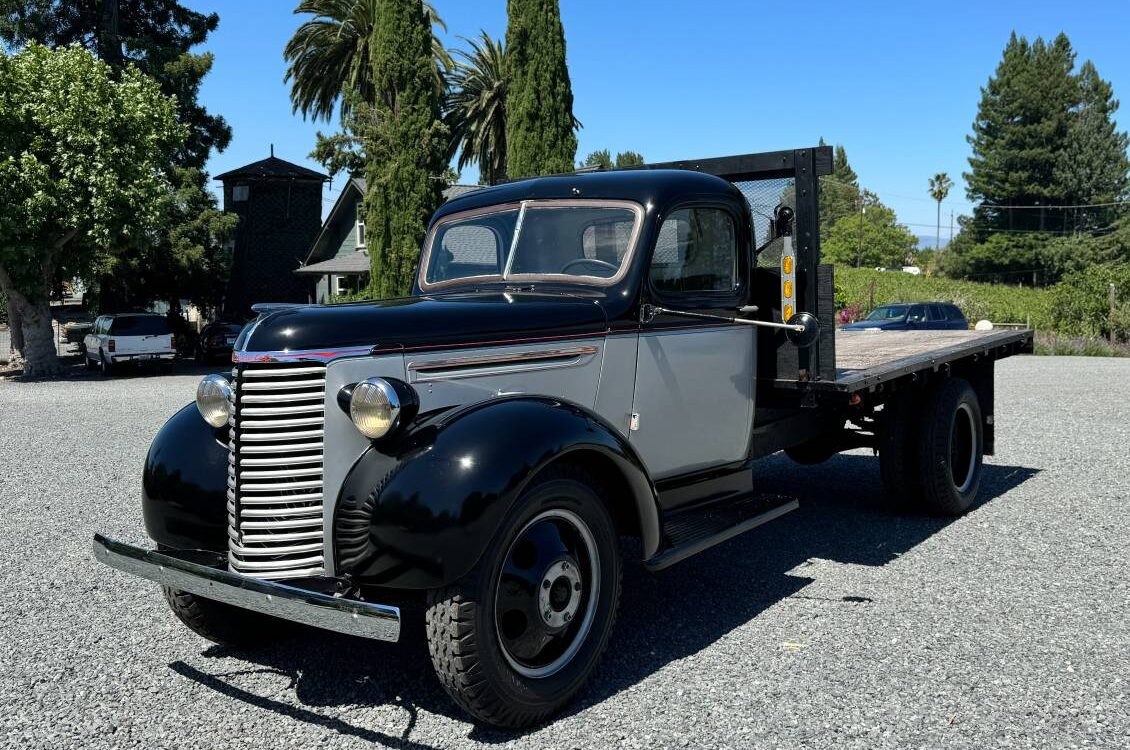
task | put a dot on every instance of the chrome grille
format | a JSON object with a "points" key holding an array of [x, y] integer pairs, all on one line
{"points": [[275, 525]]}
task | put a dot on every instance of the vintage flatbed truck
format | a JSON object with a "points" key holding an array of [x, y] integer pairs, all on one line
{"points": [[584, 357]]}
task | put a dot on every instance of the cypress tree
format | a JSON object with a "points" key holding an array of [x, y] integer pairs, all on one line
{"points": [[405, 141], [1020, 131], [540, 128]]}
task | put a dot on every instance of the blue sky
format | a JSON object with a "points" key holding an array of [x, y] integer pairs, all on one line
{"points": [[897, 83]]}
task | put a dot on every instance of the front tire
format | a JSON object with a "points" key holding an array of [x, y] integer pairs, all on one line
{"points": [[517, 637], [222, 623]]}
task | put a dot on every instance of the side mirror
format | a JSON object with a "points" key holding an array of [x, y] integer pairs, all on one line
{"points": [[810, 331]]}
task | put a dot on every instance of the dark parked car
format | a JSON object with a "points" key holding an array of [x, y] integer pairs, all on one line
{"points": [[216, 341], [913, 316]]}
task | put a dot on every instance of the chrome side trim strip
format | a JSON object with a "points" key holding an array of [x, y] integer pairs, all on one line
{"points": [[365, 619], [494, 364]]}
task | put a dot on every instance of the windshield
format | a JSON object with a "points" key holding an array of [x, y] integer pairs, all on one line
{"points": [[139, 325], [566, 240], [888, 312]]}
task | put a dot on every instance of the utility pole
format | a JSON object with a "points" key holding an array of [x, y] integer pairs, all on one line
{"points": [[1111, 293], [862, 211], [951, 230]]}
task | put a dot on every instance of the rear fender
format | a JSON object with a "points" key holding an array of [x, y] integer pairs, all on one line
{"points": [[420, 512]]}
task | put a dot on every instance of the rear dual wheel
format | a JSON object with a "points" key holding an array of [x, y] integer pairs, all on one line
{"points": [[932, 447], [517, 637]]}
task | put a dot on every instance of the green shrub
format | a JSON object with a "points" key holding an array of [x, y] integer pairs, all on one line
{"points": [[1081, 302], [363, 296], [1063, 346]]}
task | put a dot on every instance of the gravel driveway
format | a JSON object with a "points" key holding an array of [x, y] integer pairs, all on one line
{"points": [[837, 626]]}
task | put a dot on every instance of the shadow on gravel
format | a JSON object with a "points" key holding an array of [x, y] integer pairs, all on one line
{"points": [[74, 368], [664, 617]]}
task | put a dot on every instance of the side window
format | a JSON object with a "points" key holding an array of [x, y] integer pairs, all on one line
{"points": [[360, 225], [917, 314], [696, 251], [953, 313], [935, 313]]}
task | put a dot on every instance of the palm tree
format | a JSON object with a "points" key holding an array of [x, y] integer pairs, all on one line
{"points": [[329, 55], [940, 185], [477, 107]]}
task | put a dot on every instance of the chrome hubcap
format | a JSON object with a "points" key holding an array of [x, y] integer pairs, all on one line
{"points": [[546, 593]]}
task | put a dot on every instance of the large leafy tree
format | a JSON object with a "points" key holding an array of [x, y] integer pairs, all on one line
{"points": [[82, 156], [406, 144], [477, 108], [329, 55], [869, 239], [156, 38], [540, 129]]}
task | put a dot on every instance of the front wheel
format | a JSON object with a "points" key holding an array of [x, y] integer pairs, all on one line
{"points": [[222, 623], [517, 637]]}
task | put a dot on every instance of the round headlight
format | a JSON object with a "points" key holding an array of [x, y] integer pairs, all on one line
{"points": [[374, 407], [213, 399]]}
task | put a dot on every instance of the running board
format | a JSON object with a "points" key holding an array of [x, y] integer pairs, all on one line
{"points": [[693, 531]]}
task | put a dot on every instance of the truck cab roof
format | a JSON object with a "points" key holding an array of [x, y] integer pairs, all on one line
{"points": [[655, 189]]}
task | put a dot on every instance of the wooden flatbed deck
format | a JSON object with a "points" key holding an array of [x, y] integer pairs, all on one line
{"points": [[865, 359]]}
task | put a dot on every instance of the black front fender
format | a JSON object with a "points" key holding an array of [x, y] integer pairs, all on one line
{"points": [[184, 484], [419, 513]]}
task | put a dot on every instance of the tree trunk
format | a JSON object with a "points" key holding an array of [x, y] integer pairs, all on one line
{"points": [[35, 335], [40, 358], [15, 337]]}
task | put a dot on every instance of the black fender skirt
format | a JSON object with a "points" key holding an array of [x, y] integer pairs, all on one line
{"points": [[184, 485], [418, 513]]}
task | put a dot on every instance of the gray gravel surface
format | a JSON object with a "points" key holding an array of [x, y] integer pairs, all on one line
{"points": [[838, 626]]}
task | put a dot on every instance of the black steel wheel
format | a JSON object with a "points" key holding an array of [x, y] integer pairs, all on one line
{"points": [[951, 449], [517, 637]]}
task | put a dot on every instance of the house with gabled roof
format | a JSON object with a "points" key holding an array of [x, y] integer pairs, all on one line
{"points": [[337, 262]]}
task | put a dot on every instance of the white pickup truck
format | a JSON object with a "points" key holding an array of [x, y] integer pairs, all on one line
{"points": [[131, 337]]}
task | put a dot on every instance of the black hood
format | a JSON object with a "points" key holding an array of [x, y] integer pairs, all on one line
{"points": [[428, 322]]}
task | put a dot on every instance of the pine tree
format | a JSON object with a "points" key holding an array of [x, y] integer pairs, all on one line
{"points": [[1021, 129], [840, 195], [1093, 168], [841, 170], [540, 128], [629, 159], [405, 143]]}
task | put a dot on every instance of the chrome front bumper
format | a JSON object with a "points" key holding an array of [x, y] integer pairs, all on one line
{"points": [[349, 616]]}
